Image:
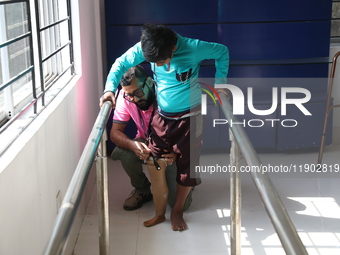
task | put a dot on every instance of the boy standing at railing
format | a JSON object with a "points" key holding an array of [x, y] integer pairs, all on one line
{"points": [[177, 124]]}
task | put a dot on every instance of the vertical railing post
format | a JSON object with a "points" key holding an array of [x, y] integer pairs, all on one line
{"points": [[102, 197], [329, 107], [283, 225], [235, 197]]}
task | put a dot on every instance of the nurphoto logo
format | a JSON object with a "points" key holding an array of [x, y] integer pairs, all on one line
{"points": [[238, 105]]}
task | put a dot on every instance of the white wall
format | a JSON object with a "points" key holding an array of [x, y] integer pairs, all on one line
{"points": [[41, 162], [336, 94]]}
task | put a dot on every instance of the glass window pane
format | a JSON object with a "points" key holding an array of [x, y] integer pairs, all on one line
{"points": [[16, 57], [2, 104], [336, 10], [53, 38], [64, 33], [52, 11], [335, 28], [49, 41], [66, 60], [56, 65], [19, 56], [1, 79], [335, 31], [22, 90], [16, 20], [50, 68], [45, 13], [62, 9]]}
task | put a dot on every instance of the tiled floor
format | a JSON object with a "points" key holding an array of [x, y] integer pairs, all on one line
{"points": [[312, 203]]}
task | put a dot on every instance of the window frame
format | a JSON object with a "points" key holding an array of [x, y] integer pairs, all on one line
{"points": [[46, 82], [335, 39]]}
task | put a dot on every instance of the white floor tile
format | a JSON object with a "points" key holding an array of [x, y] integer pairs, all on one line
{"points": [[313, 205]]}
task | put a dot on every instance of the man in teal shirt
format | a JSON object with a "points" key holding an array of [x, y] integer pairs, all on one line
{"points": [[175, 62]]}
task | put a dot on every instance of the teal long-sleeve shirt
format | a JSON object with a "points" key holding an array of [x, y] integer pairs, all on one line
{"points": [[178, 89]]}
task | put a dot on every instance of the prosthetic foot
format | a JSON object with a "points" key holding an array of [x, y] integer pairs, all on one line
{"points": [[159, 190]]}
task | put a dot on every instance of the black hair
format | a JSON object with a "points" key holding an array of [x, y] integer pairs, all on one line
{"points": [[158, 42], [136, 71]]}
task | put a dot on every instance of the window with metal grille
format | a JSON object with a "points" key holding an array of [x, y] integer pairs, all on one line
{"points": [[36, 55], [335, 30]]}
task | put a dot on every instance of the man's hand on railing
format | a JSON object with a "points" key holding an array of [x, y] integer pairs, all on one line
{"points": [[108, 96]]}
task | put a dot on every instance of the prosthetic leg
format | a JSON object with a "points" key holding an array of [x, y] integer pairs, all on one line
{"points": [[159, 189]]}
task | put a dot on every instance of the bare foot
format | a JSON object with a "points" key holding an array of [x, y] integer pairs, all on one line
{"points": [[155, 220], [177, 221]]}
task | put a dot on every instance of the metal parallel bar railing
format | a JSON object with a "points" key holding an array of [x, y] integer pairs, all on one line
{"points": [[235, 197], [95, 144], [103, 198], [289, 238], [329, 107], [283, 225]]}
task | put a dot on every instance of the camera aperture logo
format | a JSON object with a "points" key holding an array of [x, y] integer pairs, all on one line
{"points": [[238, 105]]}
